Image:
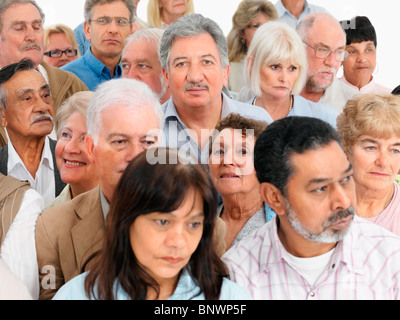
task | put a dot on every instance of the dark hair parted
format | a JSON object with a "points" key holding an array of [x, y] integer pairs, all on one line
{"points": [[283, 138], [359, 29], [146, 188]]}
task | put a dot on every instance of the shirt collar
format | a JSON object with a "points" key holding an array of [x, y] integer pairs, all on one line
{"points": [[281, 9], [15, 160], [99, 67]]}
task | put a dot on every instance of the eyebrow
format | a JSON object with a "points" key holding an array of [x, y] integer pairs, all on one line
{"points": [[24, 91], [202, 57], [370, 140], [321, 44], [327, 180], [26, 22]]}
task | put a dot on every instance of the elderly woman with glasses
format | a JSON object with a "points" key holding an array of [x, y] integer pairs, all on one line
{"points": [[360, 64], [370, 131], [275, 73], [60, 45], [249, 16]]}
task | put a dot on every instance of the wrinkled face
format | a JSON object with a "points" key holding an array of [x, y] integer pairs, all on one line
{"points": [[277, 80], [107, 41], [173, 7], [360, 63], [164, 242], [231, 163], [376, 162], [141, 61], [125, 132], [321, 72], [58, 41], [196, 76], [248, 33], [321, 194], [21, 34], [73, 160], [29, 109]]}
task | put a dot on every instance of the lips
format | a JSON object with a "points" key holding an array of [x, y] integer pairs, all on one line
{"points": [[172, 260], [343, 223], [73, 164]]}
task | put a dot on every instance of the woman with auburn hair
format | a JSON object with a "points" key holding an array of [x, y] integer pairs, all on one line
{"points": [[161, 13], [159, 238], [369, 127], [249, 16]]}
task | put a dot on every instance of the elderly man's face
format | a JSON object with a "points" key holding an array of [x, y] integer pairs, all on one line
{"points": [[29, 106], [196, 76], [140, 61], [125, 132], [320, 195], [321, 72], [21, 34]]}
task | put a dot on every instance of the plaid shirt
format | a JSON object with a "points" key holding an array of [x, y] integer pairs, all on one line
{"points": [[365, 265]]}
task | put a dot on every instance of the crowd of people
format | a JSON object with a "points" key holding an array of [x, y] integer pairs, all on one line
{"points": [[159, 159]]}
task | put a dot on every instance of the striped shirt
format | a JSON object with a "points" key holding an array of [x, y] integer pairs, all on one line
{"points": [[365, 265]]}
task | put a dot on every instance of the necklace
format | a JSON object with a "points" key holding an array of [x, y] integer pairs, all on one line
{"points": [[263, 105]]}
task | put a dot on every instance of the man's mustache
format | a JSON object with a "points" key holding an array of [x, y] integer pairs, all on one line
{"points": [[41, 117], [189, 86], [32, 45]]}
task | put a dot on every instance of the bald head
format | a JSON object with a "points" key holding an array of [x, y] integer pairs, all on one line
{"points": [[313, 23]]}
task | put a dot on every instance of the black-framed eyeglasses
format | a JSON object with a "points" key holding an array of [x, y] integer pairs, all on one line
{"points": [[103, 21], [324, 52], [58, 53]]}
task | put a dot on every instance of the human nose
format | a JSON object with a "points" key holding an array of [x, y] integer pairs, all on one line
{"points": [[195, 74], [74, 146], [176, 237], [382, 160], [340, 197]]}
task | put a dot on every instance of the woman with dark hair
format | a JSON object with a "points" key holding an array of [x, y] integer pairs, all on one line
{"points": [[159, 242], [361, 43]]}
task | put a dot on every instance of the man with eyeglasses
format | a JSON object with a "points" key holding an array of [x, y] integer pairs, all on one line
{"points": [[107, 25], [325, 42], [21, 36]]}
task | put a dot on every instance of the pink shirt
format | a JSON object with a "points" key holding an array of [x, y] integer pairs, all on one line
{"points": [[371, 87], [365, 265], [390, 217]]}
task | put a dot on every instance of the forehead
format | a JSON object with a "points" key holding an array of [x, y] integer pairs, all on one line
{"points": [[114, 9], [328, 32], [25, 12], [142, 49], [29, 79], [328, 162], [190, 47]]}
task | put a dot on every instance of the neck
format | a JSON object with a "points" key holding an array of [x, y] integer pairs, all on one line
{"points": [[241, 206], [167, 288], [296, 244], [79, 188], [295, 7], [371, 203], [169, 18], [311, 95], [277, 108], [358, 82], [29, 150], [110, 62]]}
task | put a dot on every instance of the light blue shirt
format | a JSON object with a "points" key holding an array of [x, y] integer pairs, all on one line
{"points": [[306, 108], [186, 290], [291, 20], [83, 43], [91, 70], [176, 134]]}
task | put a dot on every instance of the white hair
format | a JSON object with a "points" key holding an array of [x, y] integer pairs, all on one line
{"points": [[127, 92]]}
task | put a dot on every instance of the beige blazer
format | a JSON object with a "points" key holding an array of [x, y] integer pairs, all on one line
{"points": [[67, 236]]}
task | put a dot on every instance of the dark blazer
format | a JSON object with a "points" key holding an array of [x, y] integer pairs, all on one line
{"points": [[60, 185]]}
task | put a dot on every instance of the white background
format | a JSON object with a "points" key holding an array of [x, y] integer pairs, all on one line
{"points": [[384, 15]]}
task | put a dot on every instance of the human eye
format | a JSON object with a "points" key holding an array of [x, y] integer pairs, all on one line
{"points": [[274, 66], [370, 148], [320, 190], [125, 66], [103, 20], [194, 225], [37, 25], [161, 222], [292, 68], [122, 21], [346, 179], [65, 135]]}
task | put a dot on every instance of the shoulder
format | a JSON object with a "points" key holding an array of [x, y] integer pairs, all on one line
{"points": [[247, 110], [73, 289], [232, 291]]}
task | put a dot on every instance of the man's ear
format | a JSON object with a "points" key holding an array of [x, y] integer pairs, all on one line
{"points": [[165, 75], [273, 197], [3, 119], [89, 144], [86, 30]]}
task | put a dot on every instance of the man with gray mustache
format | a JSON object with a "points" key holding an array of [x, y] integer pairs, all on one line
{"points": [[315, 247], [195, 64], [26, 108], [325, 43]]}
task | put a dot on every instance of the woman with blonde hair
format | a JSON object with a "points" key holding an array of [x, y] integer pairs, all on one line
{"points": [[369, 127], [249, 16], [275, 73], [161, 13]]}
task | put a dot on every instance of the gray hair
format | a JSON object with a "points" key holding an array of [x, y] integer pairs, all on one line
{"points": [[191, 26], [5, 4], [90, 4], [149, 35], [127, 92]]}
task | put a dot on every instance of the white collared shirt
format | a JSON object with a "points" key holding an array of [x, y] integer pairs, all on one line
{"points": [[44, 181]]}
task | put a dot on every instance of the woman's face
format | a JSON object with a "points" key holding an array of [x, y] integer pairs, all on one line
{"points": [[277, 80], [231, 162], [164, 242], [376, 161], [73, 161], [250, 30], [58, 41], [360, 63]]}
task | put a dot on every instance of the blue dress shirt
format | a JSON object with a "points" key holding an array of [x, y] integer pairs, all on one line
{"points": [[91, 70]]}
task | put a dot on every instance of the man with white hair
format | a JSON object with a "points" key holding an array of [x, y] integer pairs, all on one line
{"points": [[141, 61], [325, 43], [124, 118]]}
